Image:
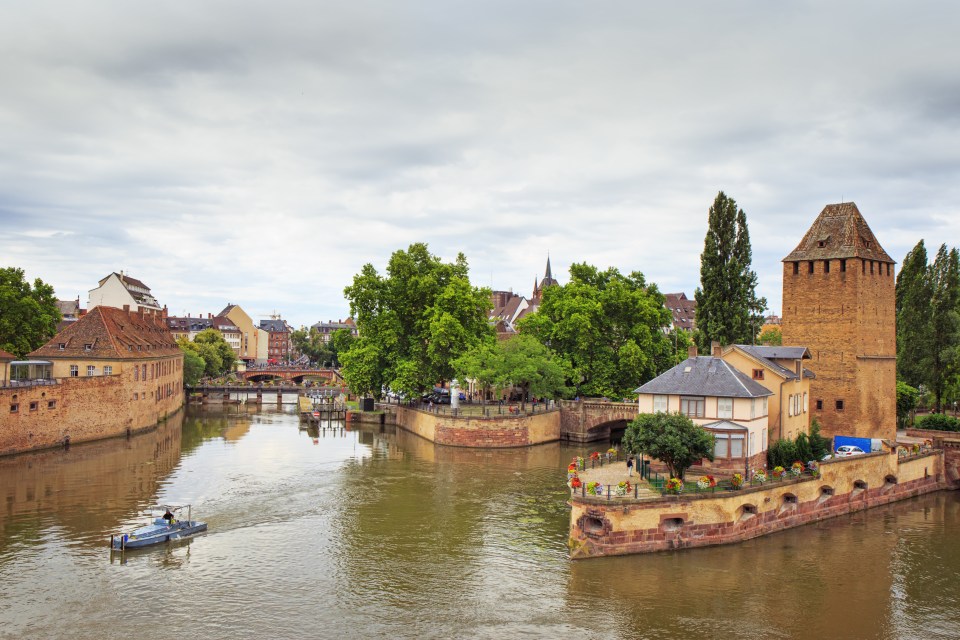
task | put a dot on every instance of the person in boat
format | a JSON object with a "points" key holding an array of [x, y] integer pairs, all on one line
{"points": [[168, 517]]}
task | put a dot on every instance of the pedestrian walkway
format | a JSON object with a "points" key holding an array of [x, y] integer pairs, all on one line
{"points": [[614, 473]]}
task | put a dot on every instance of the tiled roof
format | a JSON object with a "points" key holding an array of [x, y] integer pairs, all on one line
{"points": [[113, 334], [768, 355], [705, 376], [839, 232], [683, 310], [4, 355], [274, 326]]}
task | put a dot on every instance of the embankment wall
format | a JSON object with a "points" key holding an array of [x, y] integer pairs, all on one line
{"points": [[600, 527], [475, 431]]}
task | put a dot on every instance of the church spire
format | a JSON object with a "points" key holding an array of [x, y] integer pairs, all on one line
{"points": [[548, 276]]}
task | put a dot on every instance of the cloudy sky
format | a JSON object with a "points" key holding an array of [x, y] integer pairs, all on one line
{"points": [[261, 153]]}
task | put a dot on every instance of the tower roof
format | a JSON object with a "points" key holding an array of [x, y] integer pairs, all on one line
{"points": [[839, 232]]}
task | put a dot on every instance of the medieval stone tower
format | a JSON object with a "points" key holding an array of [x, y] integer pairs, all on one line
{"points": [[838, 300]]}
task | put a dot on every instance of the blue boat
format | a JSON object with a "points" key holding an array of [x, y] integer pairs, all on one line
{"points": [[165, 528]]}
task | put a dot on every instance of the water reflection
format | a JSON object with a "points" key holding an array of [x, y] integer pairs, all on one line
{"points": [[372, 532]]}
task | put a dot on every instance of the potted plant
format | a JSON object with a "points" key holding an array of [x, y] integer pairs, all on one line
{"points": [[575, 483], [814, 468], [674, 485], [624, 487], [706, 482], [796, 468], [736, 480], [760, 475]]}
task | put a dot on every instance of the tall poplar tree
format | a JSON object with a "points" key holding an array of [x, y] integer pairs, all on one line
{"points": [[728, 309], [913, 311], [945, 323]]}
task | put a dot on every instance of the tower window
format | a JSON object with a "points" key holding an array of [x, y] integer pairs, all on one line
{"points": [[843, 264], [796, 268], [819, 405], [826, 266], [871, 267], [888, 268], [839, 405], [810, 267]]}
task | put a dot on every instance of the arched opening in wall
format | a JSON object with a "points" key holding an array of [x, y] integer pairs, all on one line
{"points": [[672, 524], [592, 525], [746, 512], [859, 486], [825, 494], [617, 429], [788, 504], [889, 482]]}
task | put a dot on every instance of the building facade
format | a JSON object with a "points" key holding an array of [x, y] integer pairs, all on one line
{"points": [[839, 301], [120, 290]]}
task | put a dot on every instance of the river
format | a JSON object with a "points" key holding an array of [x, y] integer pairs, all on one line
{"points": [[379, 534]]}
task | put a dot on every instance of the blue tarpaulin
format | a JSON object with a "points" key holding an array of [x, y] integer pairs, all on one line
{"points": [[863, 443]]}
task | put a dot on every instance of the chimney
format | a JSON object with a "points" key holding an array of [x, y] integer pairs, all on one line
{"points": [[126, 308], [692, 351], [715, 349]]}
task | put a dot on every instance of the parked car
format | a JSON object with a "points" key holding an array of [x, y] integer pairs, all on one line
{"points": [[849, 450]]}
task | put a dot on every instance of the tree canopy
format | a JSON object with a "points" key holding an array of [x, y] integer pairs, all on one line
{"points": [[217, 355], [520, 361], [28, 314], [608, 326], [413, 322], [671, 438], [728, 309], [913, 294]]}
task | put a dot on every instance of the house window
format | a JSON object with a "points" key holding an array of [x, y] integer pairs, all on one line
{"points": [[14, 407], [107, 370], [88, 347], [753, 408], [34, 405], [659, 404], [74, 371], [725, 408], [692, 407], [819, 405], [736, 446], [51, 404], [728, 446], [790, 406], [839, 405], [806, 402], [758, 374], [91, 370], [763, 408], [752, 444], [62, 346], [764, 438], [136, 373], [136, 395]]}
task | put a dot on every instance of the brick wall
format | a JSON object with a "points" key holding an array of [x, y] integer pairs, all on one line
{"points": [[846, 319], [600, 527], [83, 409], [493, 432]]}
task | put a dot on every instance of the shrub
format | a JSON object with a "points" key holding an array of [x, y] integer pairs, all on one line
{"points": [[938, 422]]}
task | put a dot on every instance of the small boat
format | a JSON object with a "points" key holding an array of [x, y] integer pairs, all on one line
{"points": [[164, 528]]}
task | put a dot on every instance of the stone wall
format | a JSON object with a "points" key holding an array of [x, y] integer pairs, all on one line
{"points": [[600, 527], [81, 409], [473, 431], [845, 316]]}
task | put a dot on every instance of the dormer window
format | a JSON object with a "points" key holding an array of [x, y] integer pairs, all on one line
{"points": [[62, 346], [88, 346]]}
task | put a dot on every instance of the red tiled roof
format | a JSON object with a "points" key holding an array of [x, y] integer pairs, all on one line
{"points": [[6, 356], [113, 334]]}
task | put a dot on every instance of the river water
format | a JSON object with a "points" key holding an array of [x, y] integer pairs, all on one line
{"points": [[379, 534]]}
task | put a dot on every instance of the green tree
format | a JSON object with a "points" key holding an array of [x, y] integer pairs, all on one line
{"points": [[913, 313], [28, 314], [771, 337], [310, 343], [945, 328], [217, 355], [671, 438], [728, 309], [340, 341], [521, 361], [608, 326], [193, 366], [413, 322], [907, 399]]}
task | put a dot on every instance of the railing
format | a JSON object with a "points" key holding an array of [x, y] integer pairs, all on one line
{"points": [[473, 410], [27, 383]]}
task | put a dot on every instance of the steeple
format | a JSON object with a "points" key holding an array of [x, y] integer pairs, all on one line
{"points": [[548, 276]]}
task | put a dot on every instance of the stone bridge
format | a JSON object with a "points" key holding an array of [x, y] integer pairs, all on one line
{"points": [[293, 374], [589, 420]]}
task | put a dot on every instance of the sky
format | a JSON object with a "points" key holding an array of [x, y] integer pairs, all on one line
{"points": [[261, 153]]}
